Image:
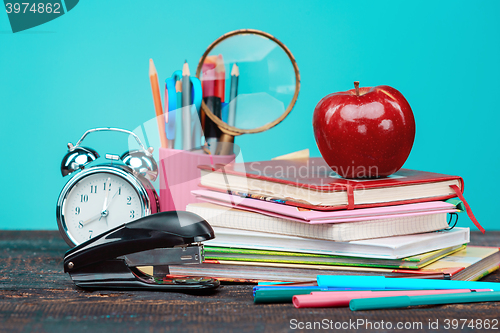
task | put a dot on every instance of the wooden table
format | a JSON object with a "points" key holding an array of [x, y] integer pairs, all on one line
{"points": [[36, 296]]}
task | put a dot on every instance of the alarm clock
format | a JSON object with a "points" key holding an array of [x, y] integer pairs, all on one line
{"points": [[104, 196]]}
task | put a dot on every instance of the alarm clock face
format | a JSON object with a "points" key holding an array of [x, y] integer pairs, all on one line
{"points": [[97, 202]]}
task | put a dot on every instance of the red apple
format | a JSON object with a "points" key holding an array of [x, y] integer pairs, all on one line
{"points": [[364, 132]]}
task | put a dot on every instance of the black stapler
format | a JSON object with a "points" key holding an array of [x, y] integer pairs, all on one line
{"points": [[110, 260]]}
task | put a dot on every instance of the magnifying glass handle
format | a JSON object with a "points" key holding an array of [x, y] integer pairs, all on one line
{"points": [[225, 145]]}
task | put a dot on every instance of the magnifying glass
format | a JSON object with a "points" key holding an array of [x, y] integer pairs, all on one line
{"points": [[250, 84]]}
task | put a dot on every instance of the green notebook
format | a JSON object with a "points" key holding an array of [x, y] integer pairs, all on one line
{"points": [[238, 254]]}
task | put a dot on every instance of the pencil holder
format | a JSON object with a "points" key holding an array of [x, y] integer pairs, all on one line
{"points": [[179, 175]]}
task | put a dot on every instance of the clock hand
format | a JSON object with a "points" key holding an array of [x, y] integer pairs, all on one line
{"points": [[93, 218], [110, 201], [105, 204], [105, 211]]}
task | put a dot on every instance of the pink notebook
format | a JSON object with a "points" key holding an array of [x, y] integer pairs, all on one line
{"points": [[317, 217]]}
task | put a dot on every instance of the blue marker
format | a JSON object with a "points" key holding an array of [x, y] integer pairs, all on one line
{"points": [[172, 106], [381, 282]]}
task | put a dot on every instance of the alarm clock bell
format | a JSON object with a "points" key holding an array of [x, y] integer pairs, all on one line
{"points": [[77, 158], [139, 160]]}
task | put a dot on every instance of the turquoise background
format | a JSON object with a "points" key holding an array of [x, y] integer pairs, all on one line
{"points": [[89, 68]]}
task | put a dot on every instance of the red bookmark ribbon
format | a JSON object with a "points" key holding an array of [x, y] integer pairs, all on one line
{"points": [[467, 208], [350, 197]]}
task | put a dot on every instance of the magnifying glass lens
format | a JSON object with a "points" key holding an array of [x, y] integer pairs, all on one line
{"points": [[248, 81]]}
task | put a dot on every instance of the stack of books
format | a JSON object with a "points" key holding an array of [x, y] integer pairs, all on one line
{"points": [[290, 220]]}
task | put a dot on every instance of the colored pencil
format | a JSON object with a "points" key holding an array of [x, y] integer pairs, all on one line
{"points": [[155, 88], [235, 73]]}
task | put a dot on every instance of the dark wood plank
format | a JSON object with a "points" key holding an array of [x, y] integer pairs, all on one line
{"points": [[35, 295]]}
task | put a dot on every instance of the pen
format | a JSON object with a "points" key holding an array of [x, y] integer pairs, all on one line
{"points": [[276, 294], [405, 301], [330, 299], [285, 295], [196, 98], [220, 79], [172, 106], [219, 92], [186, 109], [285, 284], [207, 81], [273, 284], [166, 118], [165, 103], [178, 111], [211, 131], [292, 288], [224, 110]]}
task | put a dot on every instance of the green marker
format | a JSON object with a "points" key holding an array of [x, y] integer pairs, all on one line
{"points": [[405, 301], [281, 296]]}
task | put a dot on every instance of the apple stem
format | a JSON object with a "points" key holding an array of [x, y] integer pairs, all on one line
{"points": [[356, 86]]}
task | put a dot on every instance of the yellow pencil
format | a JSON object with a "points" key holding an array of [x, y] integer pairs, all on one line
{"points": [[153, 77]]}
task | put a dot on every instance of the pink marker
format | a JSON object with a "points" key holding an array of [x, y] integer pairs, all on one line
{"points": [[330, 299]]}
